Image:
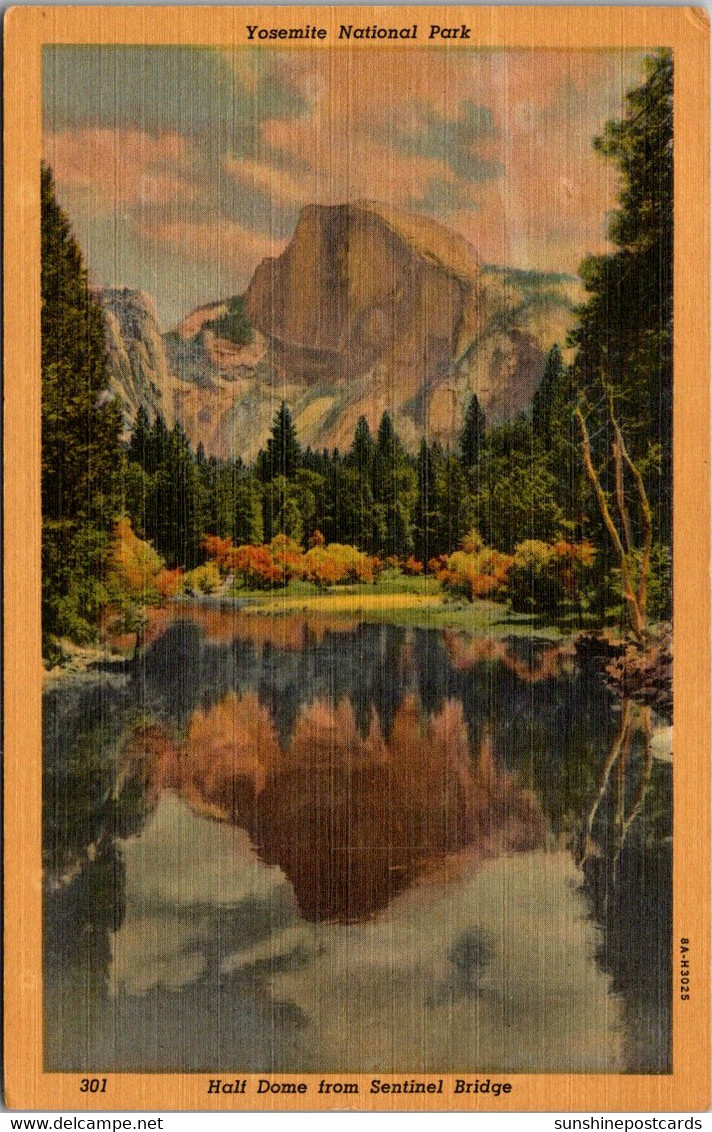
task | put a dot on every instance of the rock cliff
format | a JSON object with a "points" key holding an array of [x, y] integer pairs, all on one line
{"points": [[370, 309], [137, 358], [366, 309]]}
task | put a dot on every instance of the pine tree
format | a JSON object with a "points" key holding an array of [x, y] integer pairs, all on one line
{"points": [[247, 525], [81, 453], [473, 434], [358, 525], [425, 520], [139, 444], [454, 505], [543, 402], [282, 456], [158, 445], [394, 491], [362, 451]]}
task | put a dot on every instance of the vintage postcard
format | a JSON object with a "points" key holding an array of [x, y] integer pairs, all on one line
{"points": [[356, 561]]}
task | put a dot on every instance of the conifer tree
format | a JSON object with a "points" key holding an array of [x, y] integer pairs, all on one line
{"points": [[362, 451], [425, 519], [543, 402], [81, 453], [473, 434], [394, 490], [282, 455], [139, 444]]}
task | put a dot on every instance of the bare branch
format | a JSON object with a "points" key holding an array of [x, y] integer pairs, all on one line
{"points": [[647, 519], [637, 619], [618, 471]]}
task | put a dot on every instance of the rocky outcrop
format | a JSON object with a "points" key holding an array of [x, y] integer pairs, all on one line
{"points": [[139, 370]]}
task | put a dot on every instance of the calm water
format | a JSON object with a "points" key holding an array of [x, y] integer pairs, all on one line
{"points": [[282, 845]]}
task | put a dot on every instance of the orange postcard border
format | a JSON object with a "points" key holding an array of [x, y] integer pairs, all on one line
{"points": [[686, 31]]}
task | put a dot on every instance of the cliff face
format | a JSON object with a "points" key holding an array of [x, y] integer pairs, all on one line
{"points": [[351, 294], [137, 359], [367, 309]]}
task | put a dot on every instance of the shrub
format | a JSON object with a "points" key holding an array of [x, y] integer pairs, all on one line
{"points": [[339, 563], [287, 557], [533, 582], [545, 575], [204, 579], [412, 568], [136, 571], [219, 551], [255, 567], [474, 571], [322, 568], [472, 542]]}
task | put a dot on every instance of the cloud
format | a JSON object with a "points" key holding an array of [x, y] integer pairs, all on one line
{"points": [[451, 138], [213, 243], [280, 186], [116, 168]]}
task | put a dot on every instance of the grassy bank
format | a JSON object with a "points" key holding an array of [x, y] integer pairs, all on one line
{"points": [[399, 600]]}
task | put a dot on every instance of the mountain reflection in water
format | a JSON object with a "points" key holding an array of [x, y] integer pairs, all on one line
{"points": [[283, 845], [350, 819]]}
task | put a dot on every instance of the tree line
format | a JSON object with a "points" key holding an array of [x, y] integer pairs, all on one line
{"points": [[590, 462], [505, 481]]}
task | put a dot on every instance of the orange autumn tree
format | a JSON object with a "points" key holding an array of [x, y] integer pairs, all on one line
{"points": [[137, 578], [281, 561]]}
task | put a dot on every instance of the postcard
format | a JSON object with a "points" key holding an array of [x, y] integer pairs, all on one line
{"points": [[357, 558]]}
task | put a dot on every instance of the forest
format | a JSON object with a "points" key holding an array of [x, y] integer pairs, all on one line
{"points": [[563, 512]]}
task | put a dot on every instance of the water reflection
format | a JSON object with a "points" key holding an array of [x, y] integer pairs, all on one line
{"points": [[264, 830], [350, 819]]}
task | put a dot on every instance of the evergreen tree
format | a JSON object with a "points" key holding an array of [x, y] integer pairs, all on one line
{"points": [[281, 514], [543, 402], [247, 525], [179, 503], [473, 434], [624, 340], [218, 488], [81, 453], [362, 451], [158, 445], [425, 519], [358, 521], [394, 491], [282, 456], [454, 511], [139, 444]]}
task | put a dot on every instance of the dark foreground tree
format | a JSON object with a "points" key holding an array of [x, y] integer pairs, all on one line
{"points": [[472, 437], [624, 358], [624, 340], [81, 452]]}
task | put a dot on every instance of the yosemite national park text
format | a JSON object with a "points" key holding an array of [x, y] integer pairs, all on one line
{"points": [[256, 33]]}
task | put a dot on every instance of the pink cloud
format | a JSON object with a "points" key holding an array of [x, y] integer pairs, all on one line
{"points": [[214, 242], [283, 188], [121, 167]]}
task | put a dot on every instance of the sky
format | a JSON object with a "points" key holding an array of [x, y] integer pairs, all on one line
{"points": [[182, 167]]}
